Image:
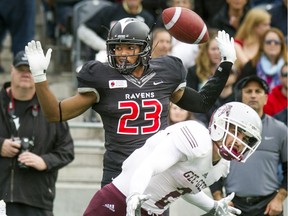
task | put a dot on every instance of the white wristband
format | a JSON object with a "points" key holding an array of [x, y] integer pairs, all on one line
{"points": [[40, 78]]}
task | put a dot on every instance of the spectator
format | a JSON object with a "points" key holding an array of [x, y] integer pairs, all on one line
{"points": [[186, 52], [174, 3], [32, 150], [181, 161], [227, 95], [131, 92], [49, 21], [259, 3], [161, 42], [249, 34], [255, 183], [181, 3], [279, 17], [155, 7], [94, 31], [208, 9], [269, 59], [17, 17], [231, 16], [63, 20], [282, 116], [207, 60], [115, 1], [277, 98], [177, 114]]}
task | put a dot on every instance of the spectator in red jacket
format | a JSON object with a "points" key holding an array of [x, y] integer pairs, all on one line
{"points": [[277, 99]]}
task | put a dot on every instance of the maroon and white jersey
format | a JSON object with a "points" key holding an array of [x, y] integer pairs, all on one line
{"points": [[175, 162], [131, 109]]}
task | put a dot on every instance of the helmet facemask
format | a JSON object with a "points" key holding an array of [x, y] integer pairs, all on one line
{"points": [[126, 67], [242, 119], [231, 151], [129, 31]]}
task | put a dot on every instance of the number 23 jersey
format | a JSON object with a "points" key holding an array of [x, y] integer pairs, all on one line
{"points": [[132, 109]]}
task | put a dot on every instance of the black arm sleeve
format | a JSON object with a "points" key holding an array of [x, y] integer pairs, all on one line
{"points": [[203, 100]]}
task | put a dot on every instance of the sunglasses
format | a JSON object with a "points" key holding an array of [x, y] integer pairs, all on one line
{"points": [[284, 74], [269, 42]]}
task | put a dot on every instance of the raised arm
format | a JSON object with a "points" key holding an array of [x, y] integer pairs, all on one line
{"points": [[52, 108], [203, 100]]}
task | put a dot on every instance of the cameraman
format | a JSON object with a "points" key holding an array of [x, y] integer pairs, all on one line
{"points": [[32, 150]]}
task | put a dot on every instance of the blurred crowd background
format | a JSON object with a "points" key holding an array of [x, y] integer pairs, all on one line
{"points": [[76, 31]]}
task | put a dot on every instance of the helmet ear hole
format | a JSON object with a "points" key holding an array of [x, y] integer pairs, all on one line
{"points": [[216, 129]]}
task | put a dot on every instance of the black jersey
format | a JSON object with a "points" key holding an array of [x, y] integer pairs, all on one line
{"points": [[131, 109]]}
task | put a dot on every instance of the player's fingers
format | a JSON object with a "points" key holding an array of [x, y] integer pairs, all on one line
{"points": [[38, 45], [227, 37], [144, 197], [130, 211], [48, 57], [224, 37], [29, 46], [218, 36], [49, 51], [33, 45], [27, 49], [232, 41], [234, 210], [39, 48], [230, 197]]}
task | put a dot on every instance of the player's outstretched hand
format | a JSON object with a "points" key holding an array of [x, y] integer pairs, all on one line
{"points": [[223, 209], [38, 62], [226, 46], [134, 203]]}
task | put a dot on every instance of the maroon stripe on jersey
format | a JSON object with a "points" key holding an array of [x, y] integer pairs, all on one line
{"points": [[189, 136]]}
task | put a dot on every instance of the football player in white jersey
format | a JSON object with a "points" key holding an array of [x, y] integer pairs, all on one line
{"points": [[181, 161]]}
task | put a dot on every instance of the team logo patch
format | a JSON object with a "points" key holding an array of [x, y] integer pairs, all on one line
{"points": [[117, 84]]}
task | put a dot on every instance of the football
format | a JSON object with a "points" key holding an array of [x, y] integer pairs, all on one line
{"points": [[185, 25]]}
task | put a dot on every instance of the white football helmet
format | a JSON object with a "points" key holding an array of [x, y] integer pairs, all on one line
{"points": [[245, 120]]}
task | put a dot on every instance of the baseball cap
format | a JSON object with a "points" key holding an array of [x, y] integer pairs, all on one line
{"points": [[243, 82], [20, 59]]}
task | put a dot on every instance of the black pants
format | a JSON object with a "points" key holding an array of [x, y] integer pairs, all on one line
{"points": [[253, 206], [108, 177], [18, 209]]}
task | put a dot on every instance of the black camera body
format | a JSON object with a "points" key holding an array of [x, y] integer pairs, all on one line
{"points": [[26, 145]]}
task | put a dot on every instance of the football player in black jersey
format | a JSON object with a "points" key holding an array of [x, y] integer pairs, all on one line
{"points": [[131, 92]]}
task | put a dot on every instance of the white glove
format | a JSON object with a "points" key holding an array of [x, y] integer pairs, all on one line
{"points": [[226, 46], [38, 62], [222, 208], [134, 203]]}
